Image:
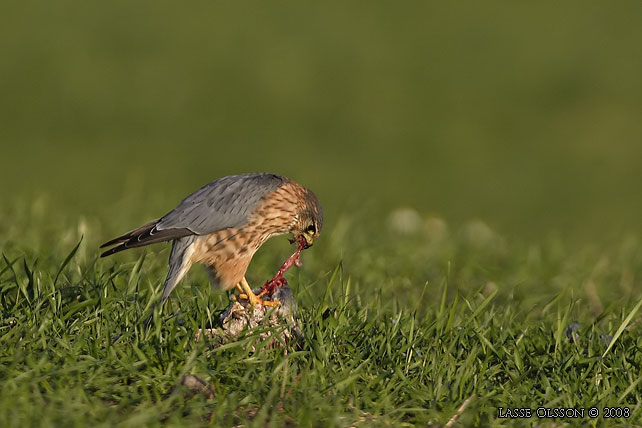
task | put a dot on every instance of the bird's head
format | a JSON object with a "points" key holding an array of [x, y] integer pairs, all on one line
{"points": [[309, 221]]}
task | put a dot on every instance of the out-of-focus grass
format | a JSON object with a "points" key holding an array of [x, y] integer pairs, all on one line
{"points": [[525, 115]]}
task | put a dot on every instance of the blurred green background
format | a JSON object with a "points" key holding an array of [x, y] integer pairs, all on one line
{"points": [[527, 116]]}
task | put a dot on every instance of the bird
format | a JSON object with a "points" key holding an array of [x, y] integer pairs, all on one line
{"points": [[221, 226]]}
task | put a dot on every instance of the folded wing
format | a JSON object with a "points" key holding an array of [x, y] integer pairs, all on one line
{"points": [[223, 203]]}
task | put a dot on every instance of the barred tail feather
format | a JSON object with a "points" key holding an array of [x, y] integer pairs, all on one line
{"points": [[145, 235]]}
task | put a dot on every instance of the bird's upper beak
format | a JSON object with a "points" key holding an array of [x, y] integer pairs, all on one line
{"points": [[305, 241], [309, 240]]}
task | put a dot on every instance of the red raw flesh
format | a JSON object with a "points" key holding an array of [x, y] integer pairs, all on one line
{"points": [[294, 260]]}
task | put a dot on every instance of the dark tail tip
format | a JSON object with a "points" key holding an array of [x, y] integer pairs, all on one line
{"points": [[113, 250]]}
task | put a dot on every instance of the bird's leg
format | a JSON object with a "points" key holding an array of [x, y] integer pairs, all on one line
{"points": [[248, 294], [279, 281], [241, 292]]}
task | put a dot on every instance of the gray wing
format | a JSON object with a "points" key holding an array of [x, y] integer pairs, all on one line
{"points": [[226, 202], [223, 203]]}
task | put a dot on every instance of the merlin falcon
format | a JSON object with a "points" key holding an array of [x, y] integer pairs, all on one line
{"points": [[224, 223]]}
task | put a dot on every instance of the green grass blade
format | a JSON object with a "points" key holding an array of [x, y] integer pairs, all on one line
{"points": [[562, 323], [619, 331], [8, 264], [67, 260], [483, 304], [628, 390]]}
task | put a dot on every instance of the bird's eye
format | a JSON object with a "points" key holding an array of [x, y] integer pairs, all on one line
{"points": [[311, 229]]}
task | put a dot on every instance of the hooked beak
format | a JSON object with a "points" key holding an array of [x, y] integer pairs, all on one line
{"points": [[304, 241], [309, 240]]}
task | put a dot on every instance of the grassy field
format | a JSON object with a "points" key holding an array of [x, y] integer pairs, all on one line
{"points": [[404, 329], [479, 167]]}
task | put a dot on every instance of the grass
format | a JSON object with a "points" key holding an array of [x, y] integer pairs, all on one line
{"points": [[527, 118], [402, 330]]}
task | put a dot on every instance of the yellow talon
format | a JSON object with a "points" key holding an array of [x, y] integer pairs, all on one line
{"points": [[248, 294]]}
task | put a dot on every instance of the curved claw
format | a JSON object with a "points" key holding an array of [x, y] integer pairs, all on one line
{"points": [[256, 300], [248, 294]]}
